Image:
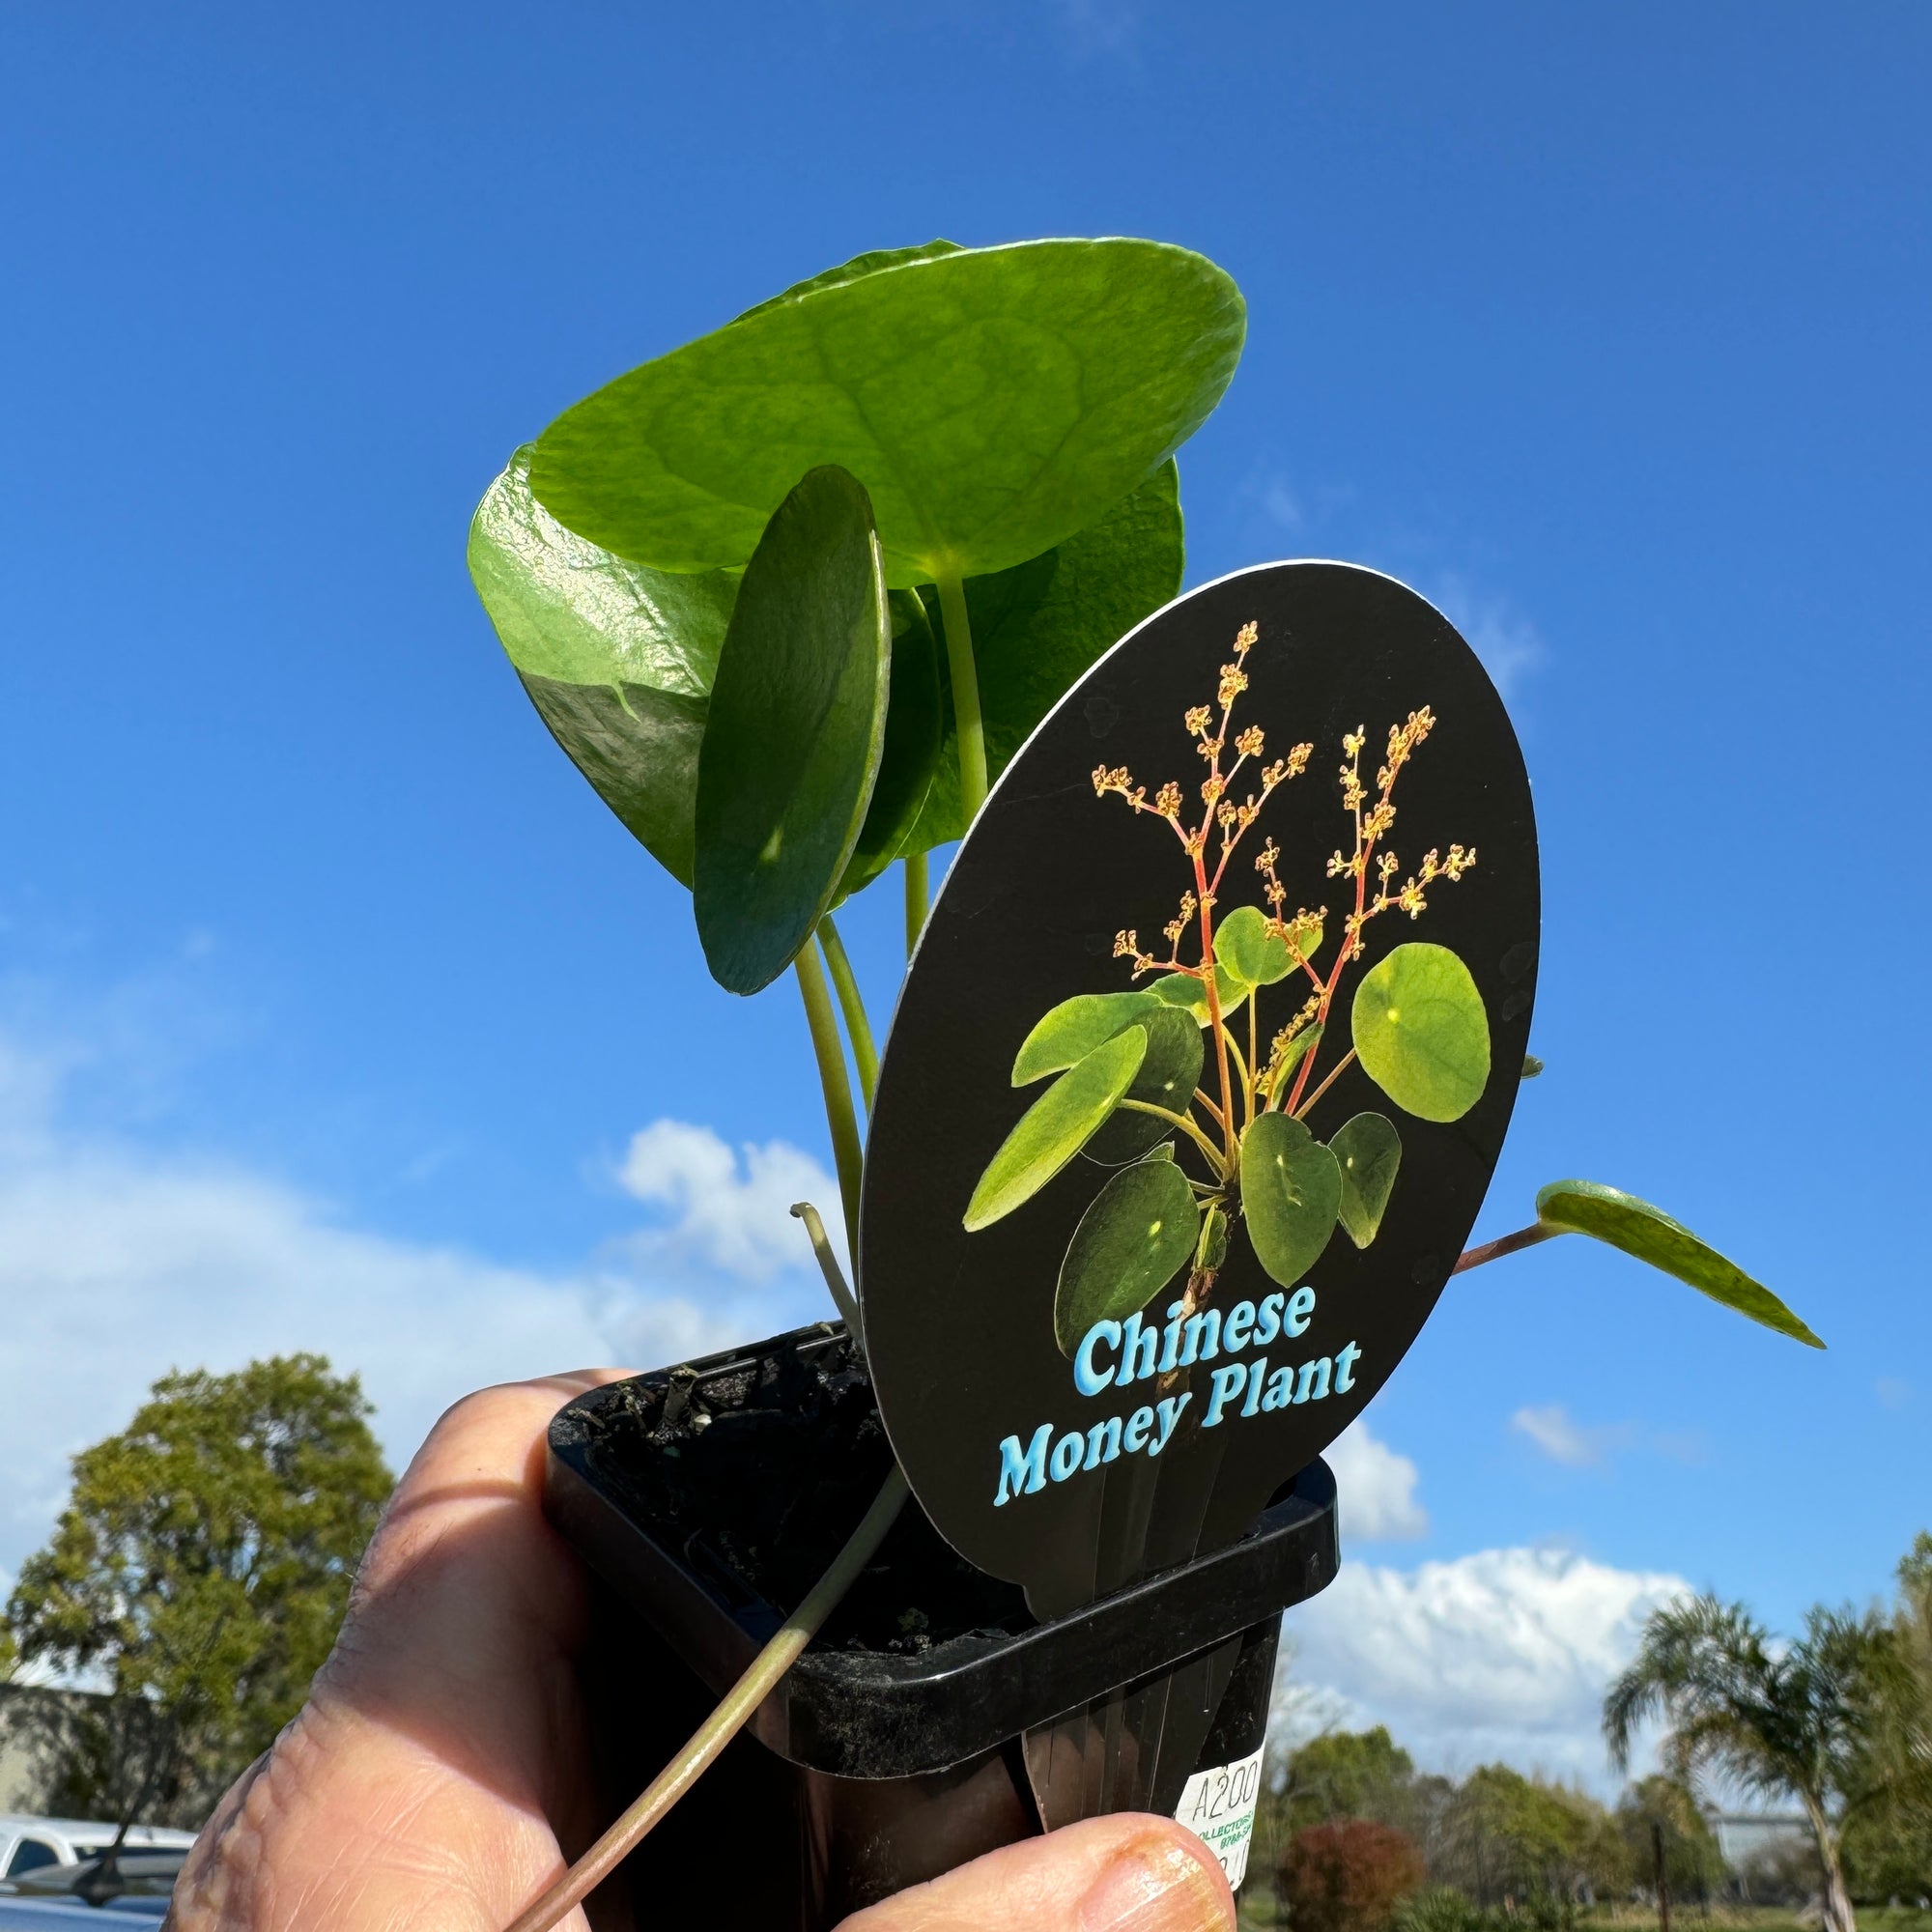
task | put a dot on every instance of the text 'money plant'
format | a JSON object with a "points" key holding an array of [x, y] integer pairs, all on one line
{"points": [[790, 596]]}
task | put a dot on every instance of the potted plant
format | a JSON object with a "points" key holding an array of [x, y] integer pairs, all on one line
{"points": [[791, 597]]}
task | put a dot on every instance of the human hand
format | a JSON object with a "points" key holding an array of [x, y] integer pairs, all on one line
{"points": [[440, 1766]]}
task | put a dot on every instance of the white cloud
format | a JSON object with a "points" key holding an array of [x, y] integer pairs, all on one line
{"points": [[118, 1265], [1580, 1446], [730, 1210], [1376, 1488], [1500, 1653], [1559, 1439], [1507, 644]]}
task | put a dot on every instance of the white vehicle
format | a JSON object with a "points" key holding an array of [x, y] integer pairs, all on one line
{"points": [[26, 1844]]}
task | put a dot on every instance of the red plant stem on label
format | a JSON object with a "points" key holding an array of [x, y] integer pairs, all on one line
{"points": [[1505, 1244], [1213, 992]]}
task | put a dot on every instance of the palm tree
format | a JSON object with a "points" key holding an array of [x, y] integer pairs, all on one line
{"points": [[1805, 1719]]}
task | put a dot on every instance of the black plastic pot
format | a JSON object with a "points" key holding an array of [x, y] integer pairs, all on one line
{"points": [[934, 1719]]}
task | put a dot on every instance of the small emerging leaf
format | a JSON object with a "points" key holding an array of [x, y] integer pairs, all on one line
{"points": [[1298, 1049], [1071, 1031], [1212, 1248], [1249, 950], [1421, 1031], [1056, 1128], [797, 723], [1291, 1195], [1368, 1151], [1183, 989], [1130, 1243], [1649, 1234], [1168, 1078], [1531, 1067]]}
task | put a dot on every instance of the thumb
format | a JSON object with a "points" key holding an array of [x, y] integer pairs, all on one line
{"points": [[1127, 1873]]}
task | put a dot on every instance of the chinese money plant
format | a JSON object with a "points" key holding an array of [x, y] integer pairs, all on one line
{"points": [[790, 596]]}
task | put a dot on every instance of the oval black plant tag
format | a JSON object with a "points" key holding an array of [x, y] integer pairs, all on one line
{"points": [[1125, 1271]]}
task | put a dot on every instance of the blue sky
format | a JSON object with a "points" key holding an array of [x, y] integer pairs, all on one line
{"points": [[330, 1000]]}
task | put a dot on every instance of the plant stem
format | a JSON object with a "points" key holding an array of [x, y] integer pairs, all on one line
{"points": [[836, 1282], [857, 1027], [724, 1724], [1251, 1073], [965, 697], [833, 1085], [1335, 1073], [1186, 1125], [918, 897], [1505, 1244]]}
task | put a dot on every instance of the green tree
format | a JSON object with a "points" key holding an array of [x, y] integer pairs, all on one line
{"points": [[198, 1572], [1693, 1865], [1349, 1774], [1504, 1836], [1806, 1719], [1888, 1844]]}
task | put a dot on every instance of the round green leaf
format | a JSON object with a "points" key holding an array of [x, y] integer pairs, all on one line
{"points": [[1650, 1234], [618, 659], [1369, 1152], [1168, 1078], [1291, 1195], [1421, 1031], [1130, 1243], [1038, 626], [867, 264], [1249, 950], [1074, 1028], [793, 740], [1056, 1128], [911, 749], [994, 401]]}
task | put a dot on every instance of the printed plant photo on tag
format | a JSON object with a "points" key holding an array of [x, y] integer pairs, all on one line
{"points": [[1199, 1075]]}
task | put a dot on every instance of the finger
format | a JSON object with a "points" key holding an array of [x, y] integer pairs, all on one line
{"points": [[1130, 1873], [443, 1741]]}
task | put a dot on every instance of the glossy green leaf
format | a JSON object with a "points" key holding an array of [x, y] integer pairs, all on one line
{"points": [[911, 752], [1074, 1028], [1291, 1195], [1421, 1031], [1168, 1078], [867, 264], [1649, 1234], [1249, 950], [1130, 1243], [797, 724], [1056, 1128], [1184, 990], [1036, 628], [993, 401], [1369, 1152], [618, 659]]}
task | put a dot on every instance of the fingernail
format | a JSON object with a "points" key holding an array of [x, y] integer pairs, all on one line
{"points": [[1159, 1885]]}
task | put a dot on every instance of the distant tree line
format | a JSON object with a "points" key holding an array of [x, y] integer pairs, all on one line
{"points": [[1834, 1727]]}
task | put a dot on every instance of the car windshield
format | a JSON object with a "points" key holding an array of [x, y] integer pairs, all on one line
{"points": [[147, 1873]]}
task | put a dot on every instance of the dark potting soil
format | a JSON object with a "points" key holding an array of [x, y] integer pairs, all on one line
{"points": [[758, 1470]]}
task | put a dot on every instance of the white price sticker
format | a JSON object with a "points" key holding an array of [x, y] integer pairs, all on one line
{"points": [[1219, 1806]]}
